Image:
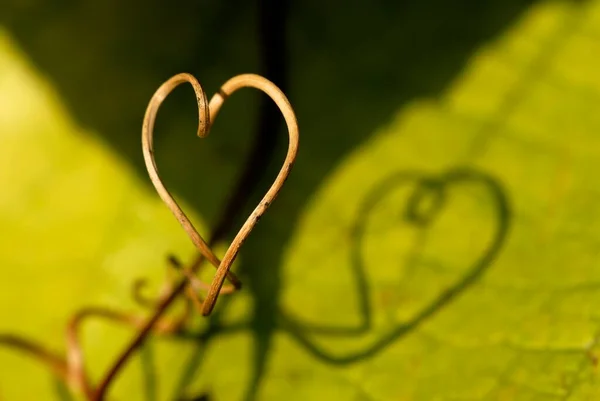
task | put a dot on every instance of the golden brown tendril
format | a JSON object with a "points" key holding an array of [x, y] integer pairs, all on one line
{"points": [[207, 114], [148, 150], [56, 363], [71, 369], [76, 376], [246, 80]]}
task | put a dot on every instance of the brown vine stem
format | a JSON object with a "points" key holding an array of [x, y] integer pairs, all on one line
{"points": [[56, 363], [71, 370], [207, 114]]}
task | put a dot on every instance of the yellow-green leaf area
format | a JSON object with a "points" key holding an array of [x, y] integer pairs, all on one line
{"points": [[436, 240]]}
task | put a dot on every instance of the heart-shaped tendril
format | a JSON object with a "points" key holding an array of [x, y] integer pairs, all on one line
{"points": [[70, 368], [207, 112]]}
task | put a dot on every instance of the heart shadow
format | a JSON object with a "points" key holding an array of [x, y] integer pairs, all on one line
{"points": [[434, 188]]}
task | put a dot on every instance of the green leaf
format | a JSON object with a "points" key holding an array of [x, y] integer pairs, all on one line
{"points": [[435, 241]]}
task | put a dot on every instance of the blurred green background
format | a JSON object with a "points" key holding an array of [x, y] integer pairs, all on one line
{"points": [[436, 240]]}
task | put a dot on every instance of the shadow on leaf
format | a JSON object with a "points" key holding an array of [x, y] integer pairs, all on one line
{"points": [[427, 188]]}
